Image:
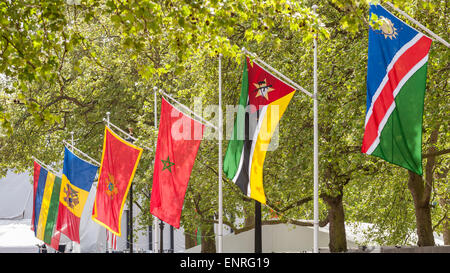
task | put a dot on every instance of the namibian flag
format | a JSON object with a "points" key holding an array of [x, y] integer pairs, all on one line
{"points": [[396, 79], [263, 100], [46, 191], [78, 176]]}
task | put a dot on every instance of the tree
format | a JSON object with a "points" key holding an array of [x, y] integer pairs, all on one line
{"points": [[64, 66]]}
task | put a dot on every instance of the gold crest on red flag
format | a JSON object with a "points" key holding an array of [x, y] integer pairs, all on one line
{"points": [[119, 162]]}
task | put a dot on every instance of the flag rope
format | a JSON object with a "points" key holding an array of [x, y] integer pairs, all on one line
{"points": [[122, 131], [79, 151], [45, 165], [187, 109], [290, 82], [418, 24]]}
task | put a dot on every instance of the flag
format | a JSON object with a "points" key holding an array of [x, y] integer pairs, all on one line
{"points": [[396, 79], [118, 166], [78, 176], [263, 100], [112, 242], [179, 138], [46, 189]]}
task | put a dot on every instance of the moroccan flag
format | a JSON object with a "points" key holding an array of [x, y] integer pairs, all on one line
{"points": [[179, 138], [46, 186], [263, 100], [396, 78], [119, 162], [78, 176]]}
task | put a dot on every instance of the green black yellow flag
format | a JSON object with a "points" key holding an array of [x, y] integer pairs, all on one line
{"points": [[264, 98]]}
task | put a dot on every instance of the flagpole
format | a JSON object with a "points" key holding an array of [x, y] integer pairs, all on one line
{"points": [[188, 110], [294, 85], [316, 149], [109, 239], [81, 152], [220, 227], [110, 124], [434, 35], [45, 165], [76, 248], [155, 219]]}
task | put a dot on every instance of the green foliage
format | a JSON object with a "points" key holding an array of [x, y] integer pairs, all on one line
{"points": [[64, 66]]}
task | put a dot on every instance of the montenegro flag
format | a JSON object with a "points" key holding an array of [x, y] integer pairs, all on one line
{"points": [[78, 176], [264, 98], [179, 138], [118, 166]]}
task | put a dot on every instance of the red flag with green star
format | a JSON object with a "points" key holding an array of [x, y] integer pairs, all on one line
{"points": [[179, 138]]}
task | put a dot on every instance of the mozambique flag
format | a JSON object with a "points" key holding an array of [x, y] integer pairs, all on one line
{"points": [[119, 162], [396, 82], [46, 191], [263, 100], [179, 138], [78, 176]]}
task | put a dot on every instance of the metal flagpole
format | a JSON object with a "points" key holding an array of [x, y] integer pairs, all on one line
{"points": [[45, 165], [434, 35], [155, 219], [316, 148], [130, 209], [258, 228], [93, 161], [289, 81], [109, 242], [220, 227], [200, 119], [76, 248]]}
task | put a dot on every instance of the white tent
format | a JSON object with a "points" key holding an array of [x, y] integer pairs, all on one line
{"points": [[16, 196], [16, 210], [16, 206], [17, 237]]}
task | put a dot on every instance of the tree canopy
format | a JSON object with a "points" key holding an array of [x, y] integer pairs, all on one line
{"points": [[64, 64]]}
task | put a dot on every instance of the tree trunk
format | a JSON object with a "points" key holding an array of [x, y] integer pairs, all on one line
{"points": [[208, 239], [189, 240], [445, 223], [446, 232], [421, 197], [421, 193], [249, 217], [338, 239]]}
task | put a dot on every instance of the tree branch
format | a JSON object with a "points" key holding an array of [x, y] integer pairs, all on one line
{"points": [[436, 153]]}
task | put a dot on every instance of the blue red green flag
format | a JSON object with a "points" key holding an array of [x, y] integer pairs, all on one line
{"points": [[396, 82]]}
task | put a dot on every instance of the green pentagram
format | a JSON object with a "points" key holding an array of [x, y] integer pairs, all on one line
{"points": [[167, 164]]}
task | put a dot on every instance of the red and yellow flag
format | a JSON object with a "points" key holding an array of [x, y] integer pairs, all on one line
{"points": [[119, 162]]}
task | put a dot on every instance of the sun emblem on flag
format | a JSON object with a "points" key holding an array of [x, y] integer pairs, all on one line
{"points": [[263, 89], [111, 188], [71, 197], [387, 28]]}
